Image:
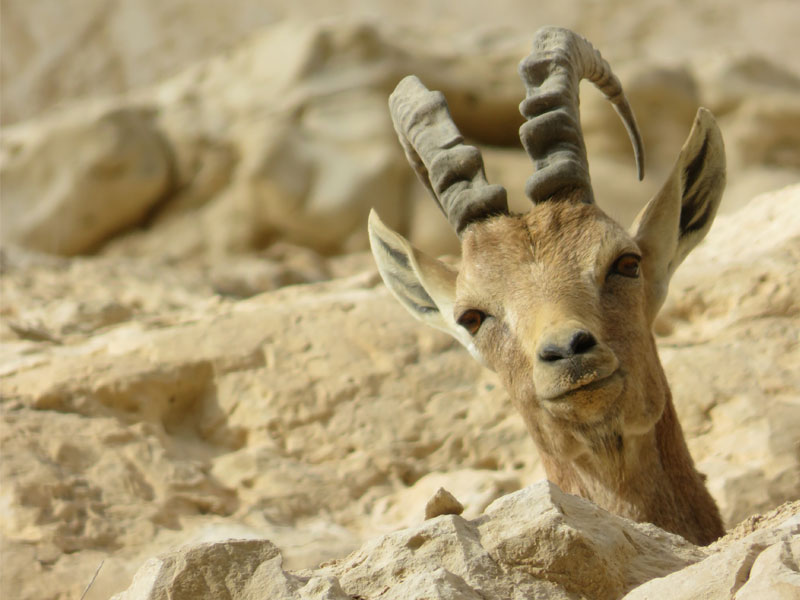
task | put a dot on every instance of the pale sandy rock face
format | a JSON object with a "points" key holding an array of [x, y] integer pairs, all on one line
{"points": [[298, 149], [178, 388], [776, 571], [764, 564], [208, 420], [319, 416], [735, 296], [84, 180], [53, 53], [241, 150], [538, 542]]}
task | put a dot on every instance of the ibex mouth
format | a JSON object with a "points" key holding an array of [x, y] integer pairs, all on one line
{"points": [[612, 379]]}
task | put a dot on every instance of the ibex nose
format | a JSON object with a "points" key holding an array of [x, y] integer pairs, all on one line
{"points": [[568, 357], [573, 343]]}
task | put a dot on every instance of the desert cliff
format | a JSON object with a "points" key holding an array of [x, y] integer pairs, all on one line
{"points": [[195, 346]]}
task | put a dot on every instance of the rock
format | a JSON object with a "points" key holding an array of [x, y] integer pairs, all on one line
{"points": [[282, 264], [731, 79], [764, 132], [87, 177], [233, 569], [218, 370], [711, 318], [475, 488], [764, 564], [775, 572], [320, 415], [443, 503], [437, 585], [565, 544], [52, 56], [249, 431], [238, 152], [535, 541], [297, 151]]}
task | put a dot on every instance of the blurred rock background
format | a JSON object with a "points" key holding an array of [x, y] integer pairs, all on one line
{"points": [[171, 171]]}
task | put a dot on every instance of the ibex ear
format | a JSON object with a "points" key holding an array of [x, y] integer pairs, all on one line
{"points": [[425, 286], [680, 215]]}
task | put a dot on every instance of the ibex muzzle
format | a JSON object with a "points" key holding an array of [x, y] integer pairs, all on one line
{"points": [[569, 359], [560, 301]]}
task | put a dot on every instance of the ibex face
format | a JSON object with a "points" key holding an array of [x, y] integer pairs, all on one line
{"points": [[554, 302], [560, 301]]}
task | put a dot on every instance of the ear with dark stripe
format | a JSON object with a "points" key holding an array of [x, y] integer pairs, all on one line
{"points": [[680, 215], [426, 287]]}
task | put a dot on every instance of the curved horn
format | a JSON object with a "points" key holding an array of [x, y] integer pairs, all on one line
{"points": [[552, 135], [451, 170]]}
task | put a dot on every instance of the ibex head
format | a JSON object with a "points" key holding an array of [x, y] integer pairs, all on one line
{"points": [[559, 301]]}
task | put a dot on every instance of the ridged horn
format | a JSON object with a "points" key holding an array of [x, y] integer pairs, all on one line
{"points": [[451, 170], [552, 134]]}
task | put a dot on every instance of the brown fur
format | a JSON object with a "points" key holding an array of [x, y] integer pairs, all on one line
{"points": [[534, 288], [618, 442]]}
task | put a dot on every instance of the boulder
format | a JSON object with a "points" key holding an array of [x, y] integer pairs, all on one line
{"points": [[763, 564], [538, 541], [85, 178]]}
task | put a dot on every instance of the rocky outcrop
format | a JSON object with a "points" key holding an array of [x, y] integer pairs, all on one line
{"points": [[720, 310], [141, 410], [240, 151], [190, 353], [538, 542], [763, 564], [535, 542], [83, 180], [52, 55]]}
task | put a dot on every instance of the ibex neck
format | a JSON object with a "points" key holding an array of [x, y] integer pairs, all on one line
{"points": [[649, 477]]}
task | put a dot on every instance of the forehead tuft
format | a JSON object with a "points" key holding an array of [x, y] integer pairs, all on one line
{"points": [[550, 229], [561, 226], [509, 233]]}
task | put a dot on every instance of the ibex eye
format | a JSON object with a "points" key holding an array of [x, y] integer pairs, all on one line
{"points": [[627, 265], [471, 320]]}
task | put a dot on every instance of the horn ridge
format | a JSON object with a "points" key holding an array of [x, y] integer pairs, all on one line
{"points": [[552, 133], [451, 171]]}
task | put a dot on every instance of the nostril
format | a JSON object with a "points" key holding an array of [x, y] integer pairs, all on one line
{"points": [[551, 353], [581, 342]]}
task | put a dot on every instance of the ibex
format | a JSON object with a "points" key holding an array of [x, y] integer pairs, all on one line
{"points": [[560, 301]]}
